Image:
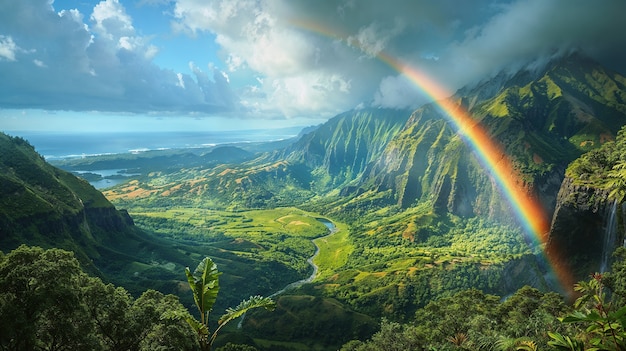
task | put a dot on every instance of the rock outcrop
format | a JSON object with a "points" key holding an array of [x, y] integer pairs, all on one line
{"points": [[578, 228]]}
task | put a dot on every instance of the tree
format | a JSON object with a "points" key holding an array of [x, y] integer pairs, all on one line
{"points": [[48, 303], [391, 337], [41, 306], [204, 284], [605, 324]]}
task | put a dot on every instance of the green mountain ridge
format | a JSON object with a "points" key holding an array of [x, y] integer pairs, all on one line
{"points": [[339, 151], [41, 205], [38, 198], [542, 125]]}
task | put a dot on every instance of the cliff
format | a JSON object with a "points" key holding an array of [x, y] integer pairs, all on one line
{"points": [[41, 205], [588, 221], [579, 226]]}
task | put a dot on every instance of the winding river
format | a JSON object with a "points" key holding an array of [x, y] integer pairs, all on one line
{"points": [[332, 230]]}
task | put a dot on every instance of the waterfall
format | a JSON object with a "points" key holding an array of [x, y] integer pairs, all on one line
{"points": [[610, 233]]}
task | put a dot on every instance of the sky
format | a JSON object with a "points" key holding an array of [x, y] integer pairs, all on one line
{"points": [[154, 65]]}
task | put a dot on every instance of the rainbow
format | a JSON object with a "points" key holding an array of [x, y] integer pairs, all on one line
{"points": [[528, 210]]}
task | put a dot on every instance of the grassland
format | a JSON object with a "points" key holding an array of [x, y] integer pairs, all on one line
{"points": [[288, 221], [283, 234], [334, 251]]}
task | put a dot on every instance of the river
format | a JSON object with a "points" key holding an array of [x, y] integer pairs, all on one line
{"points": [[332, 230]]}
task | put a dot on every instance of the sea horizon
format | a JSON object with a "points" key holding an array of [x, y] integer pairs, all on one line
{"points": [[61, 145]]}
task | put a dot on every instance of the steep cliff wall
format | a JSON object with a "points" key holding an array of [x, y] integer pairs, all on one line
{"points": [[579, 228]]}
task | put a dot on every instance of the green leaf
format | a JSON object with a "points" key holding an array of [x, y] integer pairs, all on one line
{"points": [[620, 316], [204, 284], [246, 305], [581, 317], [198, 327], [561, 342]]}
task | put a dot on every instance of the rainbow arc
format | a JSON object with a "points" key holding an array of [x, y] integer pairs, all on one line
{"points": [[524, 204]]}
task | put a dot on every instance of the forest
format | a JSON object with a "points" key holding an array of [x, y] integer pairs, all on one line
{"points": [[49, 303]]}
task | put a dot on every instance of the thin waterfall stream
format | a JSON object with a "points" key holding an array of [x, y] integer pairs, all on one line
{"points": [[610, 233], [332, 230]]}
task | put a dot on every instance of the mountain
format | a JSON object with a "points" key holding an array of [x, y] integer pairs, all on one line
{"points": [[543, 121], [322, 160], [158, 160], [338, 151], [420, 217], [43, 205], [588, 223]]}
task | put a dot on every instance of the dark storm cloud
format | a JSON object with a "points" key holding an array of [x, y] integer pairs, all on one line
{"points": [[536, 30]]}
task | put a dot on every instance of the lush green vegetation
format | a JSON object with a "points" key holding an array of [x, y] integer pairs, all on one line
{"points": [[527, 320], [204, 284], [76, 311], [48, 303], [603, 168], [280, 235]]}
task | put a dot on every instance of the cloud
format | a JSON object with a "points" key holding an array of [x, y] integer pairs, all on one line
{"points": [[531, 30], [397, 92], [286, 59], [111, 20], [302, 73], [58, 61], [7, 48], [303, 49], [373, 39], [509, 36]]}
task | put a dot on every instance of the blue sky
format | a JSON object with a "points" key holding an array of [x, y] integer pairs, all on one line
{"points": [[128, 65]]}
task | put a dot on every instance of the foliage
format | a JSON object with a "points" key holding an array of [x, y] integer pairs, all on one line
{"points": [[527, 320], [472, 320], [604, 322], [600, 312], [391, 337], [308, 322], [48, 303], [204, 284], [603, 168]]}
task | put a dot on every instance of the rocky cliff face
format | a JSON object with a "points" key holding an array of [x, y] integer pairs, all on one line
{"points": [[427, 161], [578, 227], [588, 221]]}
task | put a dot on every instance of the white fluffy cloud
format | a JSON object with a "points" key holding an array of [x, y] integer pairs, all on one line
{"points": [[57, 60], [257, 38], [7, 48]]}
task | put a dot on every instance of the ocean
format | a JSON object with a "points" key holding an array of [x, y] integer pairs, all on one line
{"points": [[54, 146]]}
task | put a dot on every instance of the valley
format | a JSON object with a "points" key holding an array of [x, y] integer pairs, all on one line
{"points": [[420, 223]]}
